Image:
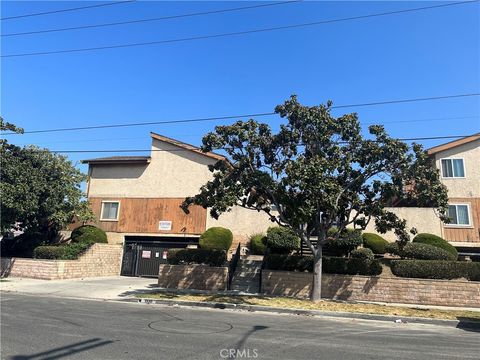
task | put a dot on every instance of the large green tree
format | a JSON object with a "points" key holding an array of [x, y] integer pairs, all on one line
{"points": [[319, 171], [40, 191]]}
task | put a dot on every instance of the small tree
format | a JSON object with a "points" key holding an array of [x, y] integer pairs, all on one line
{"points": [[40, 191], [319, 172]]}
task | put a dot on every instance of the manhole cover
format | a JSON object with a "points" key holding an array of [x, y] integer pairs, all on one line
{"points": [[190, 327]]}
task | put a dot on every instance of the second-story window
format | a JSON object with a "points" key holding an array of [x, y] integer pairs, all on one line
{"points": [[110, 210], [452, 168]]}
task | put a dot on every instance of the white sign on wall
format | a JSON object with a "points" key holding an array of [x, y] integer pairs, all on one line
{"points": [[165, 225]]}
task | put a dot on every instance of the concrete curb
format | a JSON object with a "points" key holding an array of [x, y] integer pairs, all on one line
{"points": [[345, 315]]}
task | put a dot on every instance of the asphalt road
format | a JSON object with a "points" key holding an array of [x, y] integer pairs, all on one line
{"points": [[34, 327]]}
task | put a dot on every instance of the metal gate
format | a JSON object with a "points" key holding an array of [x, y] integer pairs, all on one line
{"points": [[142, 256]]}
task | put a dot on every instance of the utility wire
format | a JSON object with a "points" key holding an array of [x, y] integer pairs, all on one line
{"points": [[66, 10], [239, 116], [177, 150], [203, 37], [150, 19]]}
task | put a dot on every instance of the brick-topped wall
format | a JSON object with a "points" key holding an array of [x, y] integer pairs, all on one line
{"points": [[198, 277], [99, 260], [373, 288]]}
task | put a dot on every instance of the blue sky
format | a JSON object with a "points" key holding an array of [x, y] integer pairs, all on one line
{"points": [[427, 53]]}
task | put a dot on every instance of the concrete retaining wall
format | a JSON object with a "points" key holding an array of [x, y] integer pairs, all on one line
{"points": [[99, 260], [374, 288], [198, 277]]}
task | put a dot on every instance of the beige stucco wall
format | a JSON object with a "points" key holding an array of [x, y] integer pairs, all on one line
{"points": [[425, 220], [242, 222], [169, 174], [470, 185]]}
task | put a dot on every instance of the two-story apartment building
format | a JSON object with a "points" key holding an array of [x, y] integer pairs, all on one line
{"points": [[459, 165], [136, 200]]}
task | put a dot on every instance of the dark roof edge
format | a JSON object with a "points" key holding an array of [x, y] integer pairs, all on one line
{"points": [[118, 160]]}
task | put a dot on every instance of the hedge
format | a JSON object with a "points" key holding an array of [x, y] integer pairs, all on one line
{"points": [[348, 241], [374, 242], [216, 238], [436, 269], [436, 241], [61, 252], [197, 256], [89, 234], [420, 251], [281, 240], [258, 244], [330, 265], [363, 253]]}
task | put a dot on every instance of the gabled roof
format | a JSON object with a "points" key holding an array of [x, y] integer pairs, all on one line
{"points": [[118, 160], [453, 144], [186, 146]]}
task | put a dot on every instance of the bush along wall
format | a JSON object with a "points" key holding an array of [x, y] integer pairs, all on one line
{"points": [[330, 265], [436, 241], [197, 256], [88, 233], [216, 238], [420, 251], [374, 242], [281, 240], [349, 240], [258, 244], [436, 269]]}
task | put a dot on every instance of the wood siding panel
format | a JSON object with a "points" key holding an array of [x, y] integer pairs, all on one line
{"points": [[470, 234], [142, 215]]}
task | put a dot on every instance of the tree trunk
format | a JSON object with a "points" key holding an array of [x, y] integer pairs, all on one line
{"points": [[317, 275]]}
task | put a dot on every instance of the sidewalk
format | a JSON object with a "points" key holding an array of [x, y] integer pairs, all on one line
{"points": [[100, 288]]}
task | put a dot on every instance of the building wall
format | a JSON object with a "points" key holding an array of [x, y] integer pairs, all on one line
{"points": [[425, 220], [170, 174], [465, 234], [468, 187]]}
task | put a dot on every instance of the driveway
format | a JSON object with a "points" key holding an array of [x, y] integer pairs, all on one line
{"points": [[112, 287]]}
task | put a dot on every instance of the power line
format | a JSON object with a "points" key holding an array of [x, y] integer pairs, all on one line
{"points": [[66, 10], [203, 37], [400, 101], [150, 19], [178, 150]]}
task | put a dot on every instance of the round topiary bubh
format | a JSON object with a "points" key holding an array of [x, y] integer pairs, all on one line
{"points": [[348, 241], [258, 244], [281, 240], [363, 253], [88, 233], [216, 238], [437, 241], [374, 242]]}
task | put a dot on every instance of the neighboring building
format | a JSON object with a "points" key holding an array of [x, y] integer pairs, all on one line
{"points": [[459, 165], [136, 200]]}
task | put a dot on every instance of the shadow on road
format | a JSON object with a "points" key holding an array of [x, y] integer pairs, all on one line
{"points": [[468, 324], [64, 351]]}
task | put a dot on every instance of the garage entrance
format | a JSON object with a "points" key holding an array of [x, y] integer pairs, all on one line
{"points": [[142, 255]]}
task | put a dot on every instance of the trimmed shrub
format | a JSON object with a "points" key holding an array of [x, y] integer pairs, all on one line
{"points": [[216, 238], [281, 240], [258, 244], [61, 252], [419, 251], [436, 241], [374, 242], [348, 241], [362, 253], [339, 265], [330, 265], [197, 256], [88, 234], [436, 269]]}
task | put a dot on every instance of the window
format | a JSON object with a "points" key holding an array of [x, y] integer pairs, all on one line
{"points": [[452, 168], [459, 215], [110, 210]]}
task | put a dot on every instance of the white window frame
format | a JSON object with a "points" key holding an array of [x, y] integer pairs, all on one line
{"points": [[453, 177], [469, 225], [118, 210]]}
